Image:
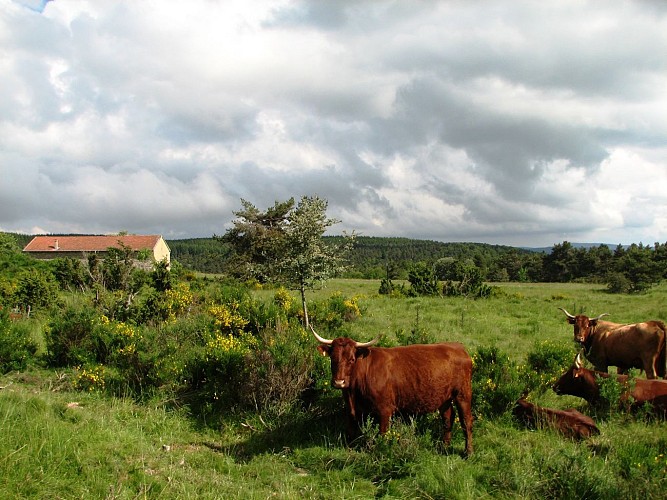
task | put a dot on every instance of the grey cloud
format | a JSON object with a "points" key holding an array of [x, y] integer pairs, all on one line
{"points": [[113, 119]]}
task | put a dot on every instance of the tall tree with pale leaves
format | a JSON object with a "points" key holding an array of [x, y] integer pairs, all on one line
{"points": [[285, 244]]}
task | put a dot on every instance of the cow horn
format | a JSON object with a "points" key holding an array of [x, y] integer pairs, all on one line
{"points": [[321, 340], [600, 316], [367, 344], [566, 313], [577, 361]]}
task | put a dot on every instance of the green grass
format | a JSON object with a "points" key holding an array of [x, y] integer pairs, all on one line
{"points": [[56, 443]]}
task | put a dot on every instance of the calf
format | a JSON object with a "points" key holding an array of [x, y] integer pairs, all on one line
{"points": [[570, 423]]}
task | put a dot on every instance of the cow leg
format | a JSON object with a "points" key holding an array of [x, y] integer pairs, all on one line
{"points": [[385, 417], [352, 428], [649, 367], [464, 407], [447, 415]]}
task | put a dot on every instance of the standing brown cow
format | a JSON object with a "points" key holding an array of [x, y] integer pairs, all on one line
{"points": [[413, 379], [636, 345]]}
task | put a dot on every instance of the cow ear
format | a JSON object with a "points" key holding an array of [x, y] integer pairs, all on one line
{"points": [[577, 373], [324, 349]]}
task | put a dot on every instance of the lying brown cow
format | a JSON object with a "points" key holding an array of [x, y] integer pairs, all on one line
{"points": [[413, 379], [571, 423], [582, 382], [637, 345]]}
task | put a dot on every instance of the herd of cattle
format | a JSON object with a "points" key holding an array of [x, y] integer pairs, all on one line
{"points": [[422, 378]]}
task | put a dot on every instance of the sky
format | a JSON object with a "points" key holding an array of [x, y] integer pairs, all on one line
{"points": [[522, 123]]}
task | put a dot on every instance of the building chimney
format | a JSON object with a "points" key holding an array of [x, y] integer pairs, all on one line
{"points": [[56, 246]]}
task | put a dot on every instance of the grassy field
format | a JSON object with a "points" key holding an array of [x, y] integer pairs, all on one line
{"points": [[61, 444]]}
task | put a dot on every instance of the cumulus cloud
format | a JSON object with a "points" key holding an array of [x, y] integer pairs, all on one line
{"points": [[502, 122]]}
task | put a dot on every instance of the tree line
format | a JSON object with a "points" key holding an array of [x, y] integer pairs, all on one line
{"points": [[625, 269]]}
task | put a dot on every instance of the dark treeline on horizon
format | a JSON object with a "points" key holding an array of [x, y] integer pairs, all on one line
{"points": [[628, 268]]}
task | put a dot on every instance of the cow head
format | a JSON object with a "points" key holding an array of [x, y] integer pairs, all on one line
{"points": [[578, 381], [583, 325], [343, 353]]}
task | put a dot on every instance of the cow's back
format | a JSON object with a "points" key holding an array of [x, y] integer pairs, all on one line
{"points": [[625, 345], [417, 378]]}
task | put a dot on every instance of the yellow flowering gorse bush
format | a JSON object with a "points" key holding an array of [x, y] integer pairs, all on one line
{"points": [[90, 379], [227, 318], [283, 298], [179, 300]]}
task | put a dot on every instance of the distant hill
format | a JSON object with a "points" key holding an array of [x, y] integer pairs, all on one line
{"points": [[370, 254], [547, 250]]}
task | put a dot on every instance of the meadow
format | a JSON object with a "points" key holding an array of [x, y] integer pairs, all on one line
{"points": [[57, 442]]}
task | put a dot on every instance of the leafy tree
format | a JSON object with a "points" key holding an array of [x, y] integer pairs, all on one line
{"points": [[307, 260], [446, 268], [35, 289], [467, 281], [639, 268], [8, 244], [257, 238], [161, 276], [117, 268], [69, 273], [285, 244], [559, 265], [423, 280]]}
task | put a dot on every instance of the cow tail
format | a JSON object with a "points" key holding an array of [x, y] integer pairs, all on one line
{"points": [[663, 351]]}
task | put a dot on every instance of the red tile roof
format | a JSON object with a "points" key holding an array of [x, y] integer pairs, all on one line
{"points": [[89, 243]]}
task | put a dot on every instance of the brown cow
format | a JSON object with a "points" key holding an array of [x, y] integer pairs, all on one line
{"points": [[636, 345], [582, 382], [570, 423], [413, 379]]}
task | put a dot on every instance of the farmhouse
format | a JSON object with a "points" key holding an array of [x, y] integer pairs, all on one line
{"points": [[79, 247]]}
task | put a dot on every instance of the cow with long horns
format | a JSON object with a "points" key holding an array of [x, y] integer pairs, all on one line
{"points": [[414, 379], [636, 345]]}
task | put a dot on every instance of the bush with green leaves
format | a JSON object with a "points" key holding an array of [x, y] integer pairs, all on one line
{"points": [[280, 369], [547, 361], [497, 382], [392, 455], [35, 289], [423, 280], [70, 274], [333, 313], [17, 348], [388, 287], [614, 394], [70, 339]]}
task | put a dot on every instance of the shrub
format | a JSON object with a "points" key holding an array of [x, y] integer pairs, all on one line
{"points": [[547, 361], [283, 299], [335, 311], [612, 393], [35, 289], [17, 348], [497, 382], [69, 338], [279, 370], [423, 280], [392, 455]]}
